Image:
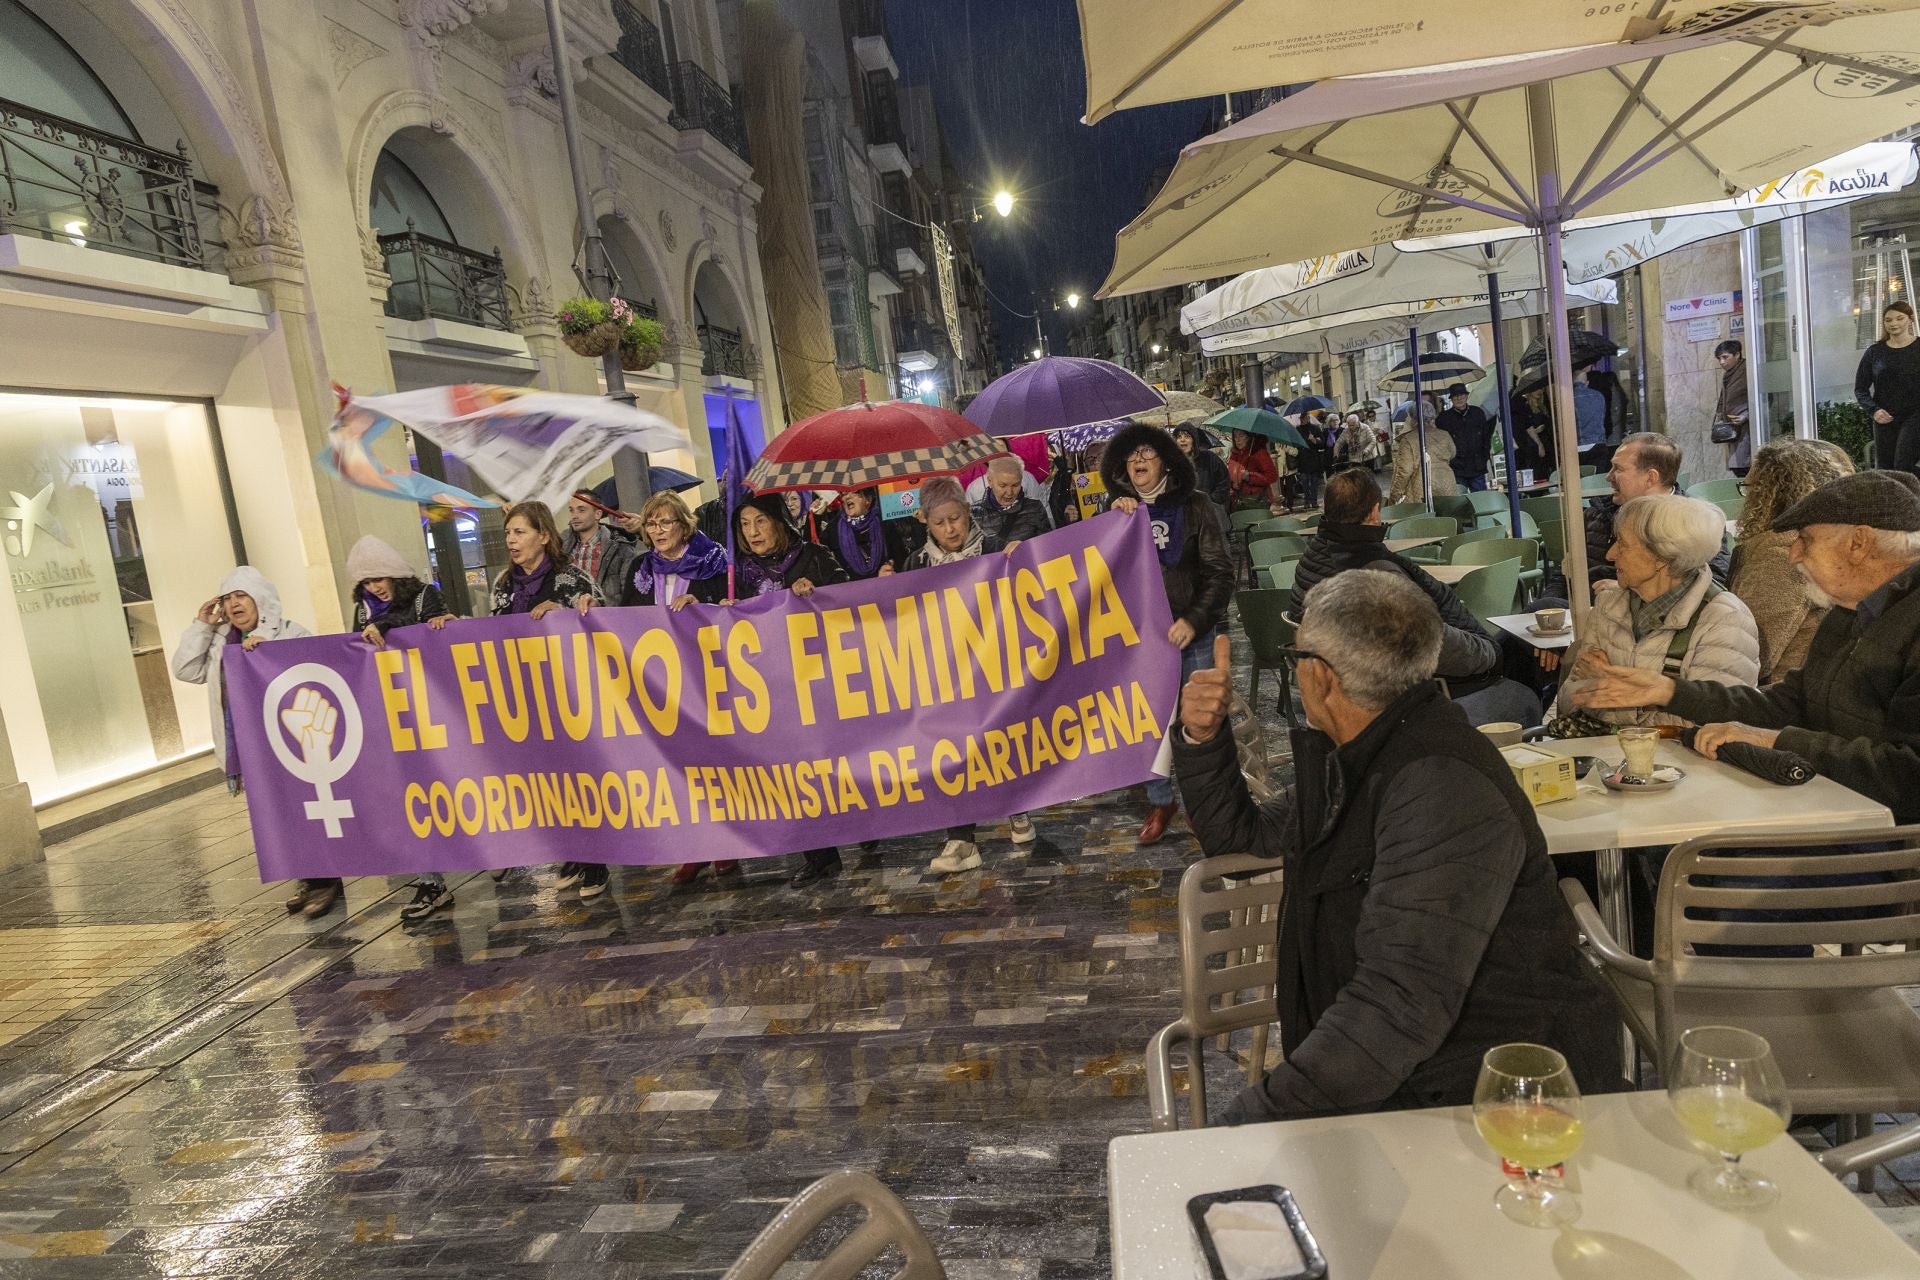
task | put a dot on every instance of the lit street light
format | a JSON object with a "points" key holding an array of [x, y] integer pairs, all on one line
{"points": [[1003, 203], [1036, 353], [1156, 348], [1073, 300]]}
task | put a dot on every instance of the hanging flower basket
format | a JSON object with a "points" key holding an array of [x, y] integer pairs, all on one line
{"points": [[636, 359], [641, 340], [588, 327]]}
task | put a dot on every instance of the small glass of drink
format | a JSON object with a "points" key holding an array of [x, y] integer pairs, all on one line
{"points": [[1637, 745]]}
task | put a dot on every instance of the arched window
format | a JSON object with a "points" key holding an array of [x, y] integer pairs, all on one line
{"points": [[40, 70], [400, 199]]}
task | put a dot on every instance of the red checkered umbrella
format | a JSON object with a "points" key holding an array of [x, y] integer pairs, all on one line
{"points": [[864, 445]]}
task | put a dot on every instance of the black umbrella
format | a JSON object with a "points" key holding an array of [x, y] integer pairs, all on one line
{"points": [[1588, 348]]}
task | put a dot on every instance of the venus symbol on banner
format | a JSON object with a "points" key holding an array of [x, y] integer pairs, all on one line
{"points": [[314, 721]]}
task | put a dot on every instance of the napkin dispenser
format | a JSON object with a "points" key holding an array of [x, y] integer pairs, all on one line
{"points": [[1541, 775]]}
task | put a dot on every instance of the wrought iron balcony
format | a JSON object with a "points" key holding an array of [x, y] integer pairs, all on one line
{"points": [[700, 103], [436, 279], [645, 310], [65, 181], [640, 49], [724, 351]]}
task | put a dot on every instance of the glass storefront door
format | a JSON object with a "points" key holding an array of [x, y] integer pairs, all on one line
{"points": [[114, 529]]}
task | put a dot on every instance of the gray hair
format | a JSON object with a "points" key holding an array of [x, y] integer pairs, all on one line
{"points": [[1004, 463], [1379, 633], [939, 491], [1897, 544], [1681, 533]]}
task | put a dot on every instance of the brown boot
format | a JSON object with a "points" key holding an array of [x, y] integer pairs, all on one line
{"points": [[299, 898], [1156, 824], [685, 872], [321, 899]]}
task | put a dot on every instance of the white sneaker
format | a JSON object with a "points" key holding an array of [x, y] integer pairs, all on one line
{"points": [[957, 855], [1023, 832]]}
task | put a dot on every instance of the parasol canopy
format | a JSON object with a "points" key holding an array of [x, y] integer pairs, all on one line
{"points": [[863, 445], [1059, 391], [1181, 406]]}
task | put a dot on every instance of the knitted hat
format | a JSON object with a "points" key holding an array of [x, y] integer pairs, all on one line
{"points": [[1877, 499]]}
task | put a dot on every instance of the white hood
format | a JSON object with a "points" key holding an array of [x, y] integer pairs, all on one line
{"points": [[265, 598], [372, 558]]}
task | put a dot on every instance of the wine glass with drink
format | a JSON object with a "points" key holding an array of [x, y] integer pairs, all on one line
{"points": [[1730, 1097], [1527, 1108]]}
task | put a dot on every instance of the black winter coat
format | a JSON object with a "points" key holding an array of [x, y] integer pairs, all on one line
{"points": [[1212, 479], [1026, 519], [414, 602], [1421, 926], [1200, 584], [903, 536], [564, 586]]}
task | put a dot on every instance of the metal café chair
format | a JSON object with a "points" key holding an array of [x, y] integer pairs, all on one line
{"points": [[1845, 1037], [1263, 612], [888, 1225], [1401, 510], [1227, 976]]}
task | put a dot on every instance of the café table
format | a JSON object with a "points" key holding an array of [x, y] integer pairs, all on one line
{"points": [[1449, 573], [1408, 544], [1713, 799], [1408, 1195], [1519, 625]]}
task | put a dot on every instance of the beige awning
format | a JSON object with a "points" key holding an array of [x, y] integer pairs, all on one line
{"points": [[1144, 51]]}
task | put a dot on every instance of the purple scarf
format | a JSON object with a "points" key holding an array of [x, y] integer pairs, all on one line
{"points": [[764, 575], [700, 559], [861, 561], [1169, 517], [526, 586], [376, 607]]}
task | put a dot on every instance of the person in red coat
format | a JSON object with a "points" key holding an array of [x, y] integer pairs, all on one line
{"points": [[1250, 469]]}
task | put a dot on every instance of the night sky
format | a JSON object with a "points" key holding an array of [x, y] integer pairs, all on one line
{"points": [[1010, 87]]}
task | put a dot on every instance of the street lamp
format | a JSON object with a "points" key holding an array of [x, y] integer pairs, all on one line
{"points": [[1156, 348], [1073, 300], [1036, 353], [1003, 203]]}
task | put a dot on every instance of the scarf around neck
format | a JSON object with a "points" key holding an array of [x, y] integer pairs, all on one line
{"points": [[862, 543], [1169, 516], [700, 559], [527, 586], [764, 575], [975, 544], [376, 607]]}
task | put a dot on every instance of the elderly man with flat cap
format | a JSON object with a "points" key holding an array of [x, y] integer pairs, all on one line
{"points": [[1854, 709]]}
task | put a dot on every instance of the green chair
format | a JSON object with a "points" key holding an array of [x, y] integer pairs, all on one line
{"points": [[1596, 487], [1683, 482], [1263, 614], [1553, 543], [1717, 490], [1247, 519], [1457, 505], [1280, 575], [1487, 502], [1401, 510], [1529, 527], [1731, 507], [1260, 533], [1423, 527], [1492, 590], [1442, 552], [1543, 508], [1494, 550], [1282, 546], [1288, 524]]}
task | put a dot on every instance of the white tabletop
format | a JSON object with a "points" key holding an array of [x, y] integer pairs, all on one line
{"points": [[1409, 1196], [1450, 573], [1408, 544], [1713, 798], [1521, 624]]}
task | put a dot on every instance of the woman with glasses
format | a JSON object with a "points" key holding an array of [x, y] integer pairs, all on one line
{"points": [[1764, 575], [681, 564]]}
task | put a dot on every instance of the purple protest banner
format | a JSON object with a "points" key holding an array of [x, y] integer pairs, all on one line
{"points": [[903, 704]]}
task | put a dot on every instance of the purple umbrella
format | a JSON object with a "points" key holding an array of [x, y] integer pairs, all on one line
{"points": [[1059, 391]]}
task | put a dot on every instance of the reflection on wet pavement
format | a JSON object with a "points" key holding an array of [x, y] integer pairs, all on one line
{"points": [[529, 1083]]}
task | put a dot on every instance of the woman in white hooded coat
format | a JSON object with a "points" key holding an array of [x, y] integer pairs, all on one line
{"points": [[246, 612]]}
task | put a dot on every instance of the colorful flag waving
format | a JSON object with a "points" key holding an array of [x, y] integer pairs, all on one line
{"points": [[349, 455], [527, 444]]}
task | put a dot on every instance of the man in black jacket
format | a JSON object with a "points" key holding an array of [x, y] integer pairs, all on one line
{"points": [[1145, 470], [1421, 924], [1645, 463], [1472, 434], [1351, 536]]}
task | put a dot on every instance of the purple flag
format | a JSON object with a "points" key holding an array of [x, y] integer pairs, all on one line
{"points": [[884, 708]]}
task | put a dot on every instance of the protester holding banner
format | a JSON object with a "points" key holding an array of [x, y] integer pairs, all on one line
{"points": [[770, 556], [867, 544], [246, 612], [1144, 468], [952, 536], [1004, 510], [537, 582], [682, 565], [596, 550], [387, 593]]}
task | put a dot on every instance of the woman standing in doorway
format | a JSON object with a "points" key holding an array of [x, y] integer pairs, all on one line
{"points": [[1888, 387], [539, 581]]}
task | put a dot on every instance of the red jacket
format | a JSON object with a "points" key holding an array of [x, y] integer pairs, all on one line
{"points": [[1252, 472]]}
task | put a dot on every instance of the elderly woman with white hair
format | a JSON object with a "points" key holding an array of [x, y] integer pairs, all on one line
{"points": [[1668, 615]]}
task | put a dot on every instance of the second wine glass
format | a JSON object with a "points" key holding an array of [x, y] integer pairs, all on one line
{"points": [[1730, 1097]]}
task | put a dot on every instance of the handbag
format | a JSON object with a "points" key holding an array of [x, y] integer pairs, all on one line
{"points": [[1724, 432]]}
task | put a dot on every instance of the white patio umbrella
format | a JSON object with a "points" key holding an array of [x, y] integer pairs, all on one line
{"points": [[1472, 148], [1145, 51], [1394, 322]]}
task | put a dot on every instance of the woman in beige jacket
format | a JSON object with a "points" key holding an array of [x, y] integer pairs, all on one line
{"points": [[1407, 486], [1665, 612], [1783, 473]]}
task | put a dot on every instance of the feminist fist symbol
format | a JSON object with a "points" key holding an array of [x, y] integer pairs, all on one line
{"points": [[311, 720]]}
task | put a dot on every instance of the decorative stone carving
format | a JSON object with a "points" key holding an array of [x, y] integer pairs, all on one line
{"points": [[667, 237], [370, 255], [532, 307], [439, 18], [348, 49], [681, 342], [533, 70], [260, 224]]}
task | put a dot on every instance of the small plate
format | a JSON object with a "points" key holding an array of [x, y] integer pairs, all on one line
{"points": [[1665, 778], [1548, 635]]}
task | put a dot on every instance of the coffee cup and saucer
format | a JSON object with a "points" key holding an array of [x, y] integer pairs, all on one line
{"points": [[1550, 624]]}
